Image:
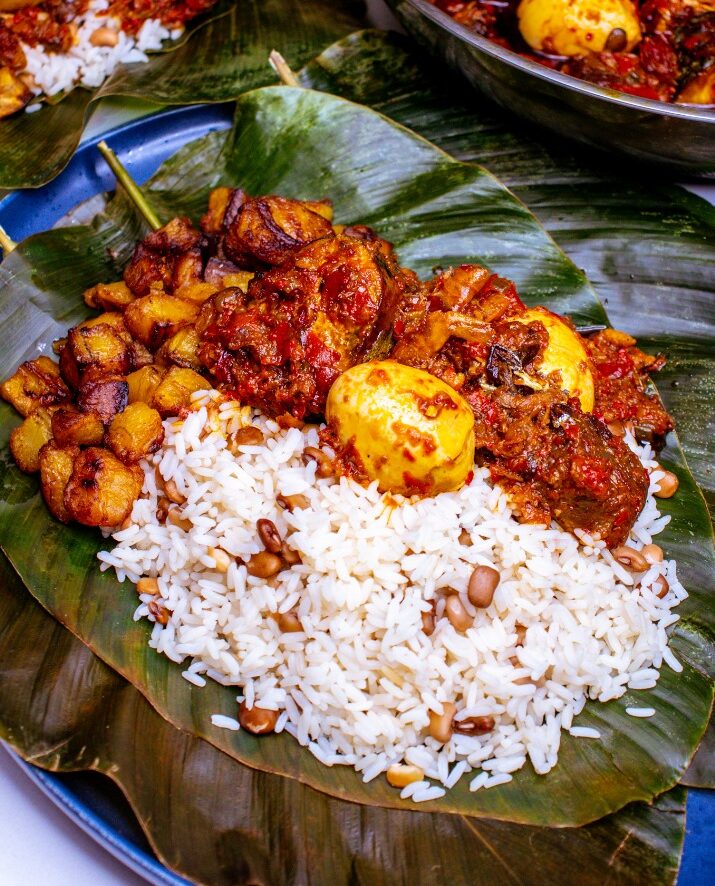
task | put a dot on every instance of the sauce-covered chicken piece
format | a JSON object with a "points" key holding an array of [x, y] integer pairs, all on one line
{"points": [[261, 232], [529, 379], [621, 379], [165, 258], [281, 345]]}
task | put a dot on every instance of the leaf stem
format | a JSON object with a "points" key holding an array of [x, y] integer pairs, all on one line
{"points": [[130, 186], [282, 68], [6, 242]]}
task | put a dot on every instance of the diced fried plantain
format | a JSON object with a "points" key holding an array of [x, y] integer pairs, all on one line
{"points": [[268, 230], [109, 296], [36, 383], [56, 463], [115, 319], [176, 389], [182, 349], [197, 293], [188, 268], [28, 438], [143, 383], [70, 427], [14, 94], [94, 351], [212, 222], [101, 490], [139, 355], [154, 259], [135, 433], [157, 316], [105, 396], [222, 274], [322, 207], [240, 279]]}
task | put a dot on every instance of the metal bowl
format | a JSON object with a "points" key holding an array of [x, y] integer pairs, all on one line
{"points": [[679, 136]]}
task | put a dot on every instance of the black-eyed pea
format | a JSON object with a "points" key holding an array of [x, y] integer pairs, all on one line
{"points": [[259, 721], [458, 616], [483, 583], [440, 725], [399, 775]]}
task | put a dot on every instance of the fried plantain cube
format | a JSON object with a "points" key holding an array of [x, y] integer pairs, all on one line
{"points": [[56, 463], [36, 383], [115, 319], [268, 230], [94, 351], [27, 439], [175, 390], [188, 268], [240, 280], [219, 198], [197, 293], [154, 259], [71, 427], [135, 433], [109, 296], [105, 396], [157, 316], [139, 355], [14, 94], [143, 383], [322, 207], [101, 490], [223, 274], [182, 349]]}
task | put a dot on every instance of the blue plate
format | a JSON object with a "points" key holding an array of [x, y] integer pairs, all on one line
{"points": [[91, 800]]}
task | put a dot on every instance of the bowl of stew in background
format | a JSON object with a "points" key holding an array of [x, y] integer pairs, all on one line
{"points": [[678, 135]]}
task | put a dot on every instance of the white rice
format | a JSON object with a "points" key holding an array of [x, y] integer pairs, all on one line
{"points": [[584, 732], [88, 65], [357, 684], [222, 722]]}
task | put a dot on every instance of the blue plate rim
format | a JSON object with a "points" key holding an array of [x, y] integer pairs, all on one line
{"points": [[97, 827]]}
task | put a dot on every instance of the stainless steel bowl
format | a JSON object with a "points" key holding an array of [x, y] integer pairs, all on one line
{"points": [[680, 136]]}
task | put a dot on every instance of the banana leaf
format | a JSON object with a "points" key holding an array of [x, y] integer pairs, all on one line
{"points": [[646, 245], [221, 54], [219, 822], [437, 211]]}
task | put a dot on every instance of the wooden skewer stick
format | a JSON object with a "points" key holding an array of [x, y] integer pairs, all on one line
{"points": [[130, 186], [282, 68], [7, 244]]}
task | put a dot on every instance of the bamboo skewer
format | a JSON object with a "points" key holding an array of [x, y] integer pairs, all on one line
{"points": [[283, 69], [130, 186], [7, 244]]}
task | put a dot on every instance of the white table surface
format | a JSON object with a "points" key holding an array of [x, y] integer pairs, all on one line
{"points": [[39, 845]]}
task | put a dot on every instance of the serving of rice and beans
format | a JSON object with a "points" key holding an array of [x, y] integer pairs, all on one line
{"points": [[51, 47], [412, 521]]}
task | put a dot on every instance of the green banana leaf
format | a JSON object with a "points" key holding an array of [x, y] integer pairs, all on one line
{"points": [[437, 211], [221, 54], [646, 245], [220, 823]]}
